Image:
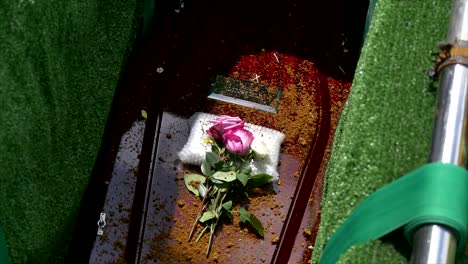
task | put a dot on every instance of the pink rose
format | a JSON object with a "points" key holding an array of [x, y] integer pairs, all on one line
{"points": [[223, 124], [238, 141]]}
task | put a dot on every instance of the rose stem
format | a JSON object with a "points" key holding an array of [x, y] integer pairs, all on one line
{"points": [[215, 224], [201, 234], [199, 214]]}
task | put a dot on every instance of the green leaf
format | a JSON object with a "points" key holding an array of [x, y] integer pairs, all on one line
{"points": [[192, 180], [144, 114], [249, 218], [250, 156], [246, 170], [212, 158], [256, 224], [206, 168], [228, 214], [227, 167], [211, 207], [244, 215], [202, 190], [219, 165], [227, 205], [215, 148], [259, 180], [227, 176], [242, 178], [220, 184], [208, 215]]}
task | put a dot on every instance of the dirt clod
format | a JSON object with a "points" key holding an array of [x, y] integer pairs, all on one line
{"points": [[275, 240], [180, 203]]}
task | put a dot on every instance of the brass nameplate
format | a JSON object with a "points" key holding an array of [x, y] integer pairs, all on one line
{"points": [[246, 93]]}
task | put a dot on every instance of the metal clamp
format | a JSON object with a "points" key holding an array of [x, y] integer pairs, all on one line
{"points": [[101, 224]]}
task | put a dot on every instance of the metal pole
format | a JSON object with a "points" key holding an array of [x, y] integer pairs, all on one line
{"points": [[437, 243]]}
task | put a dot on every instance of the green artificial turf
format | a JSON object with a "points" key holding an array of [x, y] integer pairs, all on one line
{"points": [[385, 129], [60, 64]]}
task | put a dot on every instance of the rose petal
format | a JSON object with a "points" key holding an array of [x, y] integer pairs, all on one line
{"points": [[238, 141]]}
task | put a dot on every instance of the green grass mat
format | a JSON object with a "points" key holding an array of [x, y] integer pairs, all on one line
{"points": [[60, 64], [385, 130]]}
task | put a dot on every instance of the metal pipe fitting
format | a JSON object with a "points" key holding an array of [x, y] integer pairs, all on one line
{"points": [[437, 243]]}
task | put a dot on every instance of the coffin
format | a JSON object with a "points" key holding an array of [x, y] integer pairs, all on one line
{"points": [[307, 50]]}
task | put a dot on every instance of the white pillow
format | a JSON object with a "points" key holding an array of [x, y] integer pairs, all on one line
{"points": [[194, 150]]}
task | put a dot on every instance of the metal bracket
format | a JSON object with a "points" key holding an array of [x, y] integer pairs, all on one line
{"points": [[101, 224]]}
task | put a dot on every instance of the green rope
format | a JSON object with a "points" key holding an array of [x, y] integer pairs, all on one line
{"points": [[436, 193]]}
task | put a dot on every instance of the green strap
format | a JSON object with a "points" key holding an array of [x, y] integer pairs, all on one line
{"points": [[435, 193], [148, 17], [4, 259], [370, 14]]}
